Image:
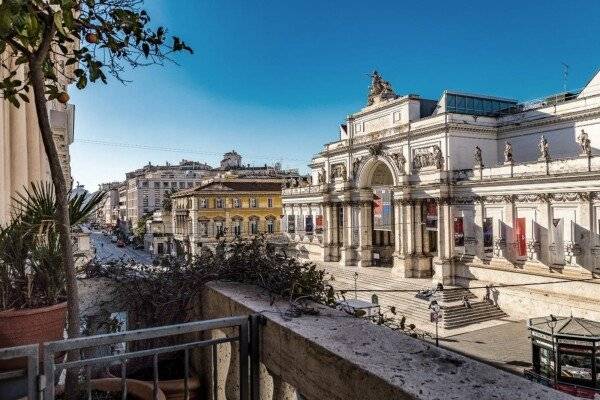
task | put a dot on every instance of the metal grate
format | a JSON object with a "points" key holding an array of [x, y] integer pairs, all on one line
{"points": [[245, 333]]}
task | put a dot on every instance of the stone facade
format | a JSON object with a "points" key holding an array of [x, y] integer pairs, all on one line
{"points": [[22, 156], [225, 208], [147, 186], [107, 213], [467, 189]]}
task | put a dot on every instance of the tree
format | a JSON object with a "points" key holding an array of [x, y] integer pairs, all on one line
{"points": [[167, 203], [46, 44]]}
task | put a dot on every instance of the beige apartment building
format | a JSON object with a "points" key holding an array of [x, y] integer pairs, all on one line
{"points": [[107, 213]]}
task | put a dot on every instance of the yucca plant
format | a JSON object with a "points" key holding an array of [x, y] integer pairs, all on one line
{"points": [[32, 273]]}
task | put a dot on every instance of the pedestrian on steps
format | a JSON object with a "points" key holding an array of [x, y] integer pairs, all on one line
{"points": [[466, 302]]}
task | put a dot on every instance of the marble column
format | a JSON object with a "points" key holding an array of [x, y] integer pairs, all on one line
{"points": [[348, 247], [509, 234], [365, 234], [543, 232], [442, 263], [583, 233], [478, 217], [400, 261], [421, 264]]}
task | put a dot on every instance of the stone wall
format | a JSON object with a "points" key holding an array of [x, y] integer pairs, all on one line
{"points": [[335, 356]]}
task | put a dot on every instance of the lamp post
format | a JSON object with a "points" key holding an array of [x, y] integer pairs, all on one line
{"points": [[551, 321]]}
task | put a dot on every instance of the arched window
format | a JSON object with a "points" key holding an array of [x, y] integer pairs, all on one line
{"points": [[270, 224], [237, 226], [253, 223]]}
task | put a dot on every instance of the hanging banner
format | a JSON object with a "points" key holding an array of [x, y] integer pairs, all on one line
{"points": [[382, 210], [488, 232], [308, 223], [319, 224], [291, 224], [459, 234], [431, 217]]}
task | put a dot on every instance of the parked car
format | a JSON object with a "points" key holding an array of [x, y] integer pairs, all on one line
{"points": [[120, 243], [113, 239]]}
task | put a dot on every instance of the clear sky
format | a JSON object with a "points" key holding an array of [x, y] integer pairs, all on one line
{"points": [[273, 79]]}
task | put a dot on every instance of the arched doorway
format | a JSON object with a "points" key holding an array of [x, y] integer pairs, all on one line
{"points": [[378, 177], [382, 215]]}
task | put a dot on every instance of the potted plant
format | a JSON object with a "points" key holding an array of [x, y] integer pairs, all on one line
{"points": [[154, 295], [32, 276]]}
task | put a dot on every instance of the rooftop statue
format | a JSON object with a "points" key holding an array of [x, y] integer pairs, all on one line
{"points": [[543, 147], [508, 155], [584, 142], [477, 159], [379, 89]]}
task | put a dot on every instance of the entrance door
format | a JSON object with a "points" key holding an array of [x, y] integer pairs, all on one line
{"points": [[520, 236]]}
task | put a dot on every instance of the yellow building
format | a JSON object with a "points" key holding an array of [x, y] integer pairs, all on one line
{"points": [[225, 207]]}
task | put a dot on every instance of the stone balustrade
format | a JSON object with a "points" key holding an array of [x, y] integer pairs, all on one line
{"points": [[536, 168], [335, 356]]}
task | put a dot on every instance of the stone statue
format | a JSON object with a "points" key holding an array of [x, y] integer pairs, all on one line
{"points": [[585, 143], [508, 154], [339, 171], [379, 89], [344, 171], [321, 177], [477, 160], [438, 159], [543, 147], [400, 161], [355, 166]]}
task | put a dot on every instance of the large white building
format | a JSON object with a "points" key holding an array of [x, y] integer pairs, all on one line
{"points": [[467, 190]]}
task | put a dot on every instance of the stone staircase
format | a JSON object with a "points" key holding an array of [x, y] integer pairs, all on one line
{"points": [[454, 314], [459, 316]]}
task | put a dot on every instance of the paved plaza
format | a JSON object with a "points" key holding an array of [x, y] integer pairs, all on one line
{"points": [[502, 342]]}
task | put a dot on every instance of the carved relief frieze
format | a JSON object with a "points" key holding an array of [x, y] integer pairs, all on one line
{"points": [[529, 198], [339, 171], [463, 200], [400, 161], [564, 197], [424, 157], [376, 149]]}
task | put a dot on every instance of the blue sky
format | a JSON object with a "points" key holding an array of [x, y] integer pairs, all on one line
{"points": [[273, 79]]}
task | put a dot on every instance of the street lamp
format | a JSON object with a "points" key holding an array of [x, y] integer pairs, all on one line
{"points": [[552, 321]]}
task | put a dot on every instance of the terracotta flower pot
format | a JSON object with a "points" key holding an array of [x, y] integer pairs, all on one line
{"points": [[29, 326]]}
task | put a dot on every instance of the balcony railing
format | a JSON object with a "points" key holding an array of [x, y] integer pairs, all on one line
{"points": [[97, 353]]}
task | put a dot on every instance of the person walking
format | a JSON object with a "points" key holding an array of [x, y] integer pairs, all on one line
{"points": [[466, 302]]}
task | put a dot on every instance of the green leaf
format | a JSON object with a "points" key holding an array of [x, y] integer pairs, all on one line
{"points": [[58, 22]]}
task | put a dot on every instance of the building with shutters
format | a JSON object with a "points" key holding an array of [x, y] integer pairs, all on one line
{"points": [[226, 207]]}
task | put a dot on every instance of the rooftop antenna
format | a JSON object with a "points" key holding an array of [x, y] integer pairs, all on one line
{"points": [[565, 75]]}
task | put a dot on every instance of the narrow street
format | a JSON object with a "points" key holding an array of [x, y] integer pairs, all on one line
{"points": [[108, 251]]}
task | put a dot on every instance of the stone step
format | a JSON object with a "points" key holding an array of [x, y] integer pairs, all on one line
{"points": [[472, 313], [402, 297], [470, 321]]}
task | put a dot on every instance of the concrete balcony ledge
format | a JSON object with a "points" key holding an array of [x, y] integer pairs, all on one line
{"points": [[335, 356]]}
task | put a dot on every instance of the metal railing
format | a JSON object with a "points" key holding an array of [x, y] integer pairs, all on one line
{"points": [[94, 357], [31, 354]]}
